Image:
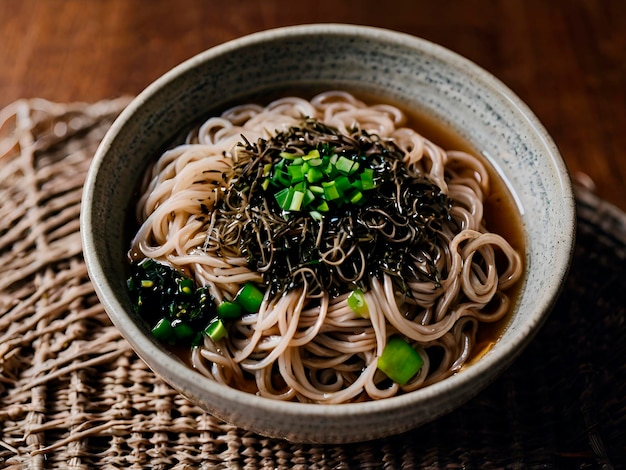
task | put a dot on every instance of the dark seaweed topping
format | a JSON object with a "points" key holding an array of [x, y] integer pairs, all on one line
{"points": [[394, 233], [159, 292]]}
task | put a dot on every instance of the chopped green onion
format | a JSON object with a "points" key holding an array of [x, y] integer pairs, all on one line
{"points": [[314, 175], [163, 330], [311, 155], [296, 173], [399, 361], [296, 201], [216, 330], [183, 330], [346, 166], [229, 310], [288, 155], [330, 171], [356, 301], [331, 191], [249, 298], [356, 197], [301, 186], [323, 207], [316, 189], [316, 215], [308, 198], [367, 179], [283, 197], [147, 283], [186, 286], [280, 176]]}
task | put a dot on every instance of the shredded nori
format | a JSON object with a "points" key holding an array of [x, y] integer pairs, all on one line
{"points": [[393, 233]]}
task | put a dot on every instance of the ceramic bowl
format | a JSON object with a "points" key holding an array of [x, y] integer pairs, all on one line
{"points": [[386, 64]]}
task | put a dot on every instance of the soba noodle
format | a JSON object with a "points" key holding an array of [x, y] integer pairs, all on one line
{"points": [[305, 343]]}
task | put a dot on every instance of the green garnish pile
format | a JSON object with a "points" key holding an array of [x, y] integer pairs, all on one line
{"points": [[178, 312], [319, 181]]}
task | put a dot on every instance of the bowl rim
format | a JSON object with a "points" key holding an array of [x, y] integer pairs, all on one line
{"points": [[177, 373]]}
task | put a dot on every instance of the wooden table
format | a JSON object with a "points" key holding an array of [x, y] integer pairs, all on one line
{"points": [[72, 393], [566, 59]]}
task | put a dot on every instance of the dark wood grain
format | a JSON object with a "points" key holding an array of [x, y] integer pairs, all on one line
{"points": [[565, 58]]}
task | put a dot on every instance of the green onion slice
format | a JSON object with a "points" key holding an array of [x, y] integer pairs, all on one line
{"points": [[250, 298], [183, 331], [216, 330], [356, 301], [399, 361], [229, 310], [163, 330]]}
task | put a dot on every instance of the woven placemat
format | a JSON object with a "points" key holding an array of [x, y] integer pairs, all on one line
{"points": [[74, 395]]}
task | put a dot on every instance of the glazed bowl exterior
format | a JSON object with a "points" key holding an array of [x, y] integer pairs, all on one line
{"points": [[391, 66]]}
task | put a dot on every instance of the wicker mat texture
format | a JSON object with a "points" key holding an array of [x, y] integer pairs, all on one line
{"points": [[74, 395]]}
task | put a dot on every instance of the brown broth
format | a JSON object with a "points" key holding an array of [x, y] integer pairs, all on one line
{"points": [[501, 214]]}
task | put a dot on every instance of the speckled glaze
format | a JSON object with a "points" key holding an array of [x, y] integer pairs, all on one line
{"points": [[388, 64]]}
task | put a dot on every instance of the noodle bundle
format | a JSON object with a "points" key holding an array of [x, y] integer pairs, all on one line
{"points": [[429, 270]]}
